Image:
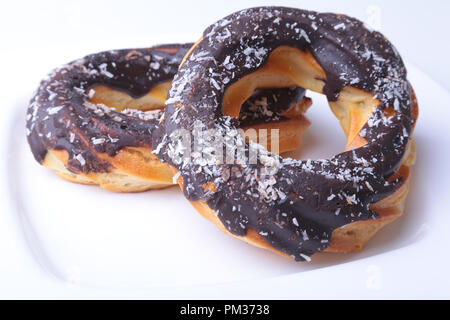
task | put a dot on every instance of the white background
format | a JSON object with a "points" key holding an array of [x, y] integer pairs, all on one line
{"points": [[419, 29]]}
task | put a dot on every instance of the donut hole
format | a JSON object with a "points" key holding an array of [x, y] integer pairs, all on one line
{"points": [[120, 100], [287, 67]]}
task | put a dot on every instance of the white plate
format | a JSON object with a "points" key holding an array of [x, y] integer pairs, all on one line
{"points": [[65, 240]]}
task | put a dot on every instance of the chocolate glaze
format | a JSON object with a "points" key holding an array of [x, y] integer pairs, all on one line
{"points": [[297, 208], [61, 117]]}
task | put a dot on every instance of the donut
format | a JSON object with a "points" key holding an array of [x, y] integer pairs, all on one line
{"points": [[293, 207], [92, 120]]}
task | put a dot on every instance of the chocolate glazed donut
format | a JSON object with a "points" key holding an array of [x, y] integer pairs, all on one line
{"points": [[92, 120], [305, 206]]}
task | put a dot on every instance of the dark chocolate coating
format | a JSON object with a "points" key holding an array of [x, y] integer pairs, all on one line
{"points": [[297, 208], [61, 117]]}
